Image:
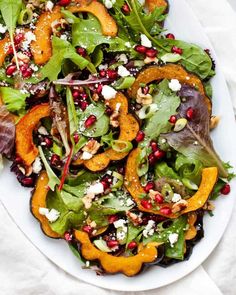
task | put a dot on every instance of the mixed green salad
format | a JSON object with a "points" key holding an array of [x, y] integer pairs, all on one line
{"points": [[107, 116]]}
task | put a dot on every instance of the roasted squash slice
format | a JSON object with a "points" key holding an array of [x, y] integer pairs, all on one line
{"points": [[191, 232], [170, 71], [38, 200], [25, 147], [108, 24], [129, 128], [129, 266], [133, 185], [4, 45], [152, 4]]}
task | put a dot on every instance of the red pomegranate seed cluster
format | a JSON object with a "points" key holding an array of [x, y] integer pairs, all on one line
{"points": [[111, 74], [90, 121], [157, 153], [149, 52]]}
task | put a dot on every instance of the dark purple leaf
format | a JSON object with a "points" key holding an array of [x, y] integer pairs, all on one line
{"points": [[7, 132]]}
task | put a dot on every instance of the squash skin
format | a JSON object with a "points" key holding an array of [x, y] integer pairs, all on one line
{"points": [[133, 185], [25, 147], [169, 71], [3, 46], [129, 266], [191, 232], [129, 128], [38, 200]]}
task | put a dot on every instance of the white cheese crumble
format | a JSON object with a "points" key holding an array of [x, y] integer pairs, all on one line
{"points": [[174, 85], [87, 200], [128, 44], [42, 130], [176, 198], [3, 29], [37, 166], [119, 223], [123, 72], [96, 188], [145, 41], [122, 58], [120, 235], [29, 37], [173, 238], [129, 202], [149, 230], [118, 105], [52, 215], [63, 37], [103, 67], [109, 3], [108, 92], [49, 6], [86, 156]]}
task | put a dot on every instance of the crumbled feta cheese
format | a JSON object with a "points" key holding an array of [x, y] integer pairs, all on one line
{"points": [[128, 44], [29, 37], [49, 6], [129, 202], [103, 67], [108, 92], [174, 85], [43, 211], [118, 105], [63, 37], [37, 166], [86, 156], [87, 263], [176, 198], [42, 130], [34, 67], [93, 224], [145, 41], [173, 238], [3, 29], [119, 223], [123, 72], [96, 189], [149, 230], [120, 235], [122, 58], [109, 3]]}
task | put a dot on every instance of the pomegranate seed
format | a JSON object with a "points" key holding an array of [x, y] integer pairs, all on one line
{"points": [[87, 228], [146, 204], [99, 88], [150, 185], [154, 146], [190, 113], [90, 121], [140, 136], [19, 38], [68, 236], [84, 95], [27, 73], [75, 94], [108, 111], [112, 243], [159, 198], [140, 49], [55, 161], [170, 36], [145, 90], [48, 142], [18, 160], [151, 52], [107, 178], [28, 53], [152, 159], [81, 51], [159, 154], [105, 184], [166, 211], [10, 50], [83, 105], [177, 50], [64, 2], [112, 218], [132, 245], [173, 119], [125, 8], [76, 137], [225, 189], [10, 70], [27, 181], [112, 74], [103, 73]]}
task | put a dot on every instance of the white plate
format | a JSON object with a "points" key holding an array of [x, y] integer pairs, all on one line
{"points": [[184, 24]]}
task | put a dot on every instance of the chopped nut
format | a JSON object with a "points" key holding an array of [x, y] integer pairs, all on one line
{"points": [[95, 97], [87, 200], [149, 60], [152, 194], [91, 147], [214, 122], [57, 25], [22, 58], [142, 98], [209, 206], [114, 119], [179, 206], [135, 219]]}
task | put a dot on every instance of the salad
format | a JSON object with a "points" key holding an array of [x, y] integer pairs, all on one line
{"points": [[107, 116]]}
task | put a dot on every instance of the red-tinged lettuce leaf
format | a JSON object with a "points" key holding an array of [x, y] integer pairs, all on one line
{"points": [[7, 132], [194, 140]]}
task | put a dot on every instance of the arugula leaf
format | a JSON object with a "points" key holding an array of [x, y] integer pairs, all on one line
{"points": [[14, 99], [10, 10], [88, 34], [194, 140], [53, 179], [73, 120], [167, 103]]}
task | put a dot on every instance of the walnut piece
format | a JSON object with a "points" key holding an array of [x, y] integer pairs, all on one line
{"points": [[91, 147], [179, 206], [144, 99], [214, 122]]}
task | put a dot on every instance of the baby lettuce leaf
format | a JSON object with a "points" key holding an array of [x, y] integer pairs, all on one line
{"points": [[194, 140], [7, 132], [88, 34], [73, 120], [14, 99], [167, 103]]}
